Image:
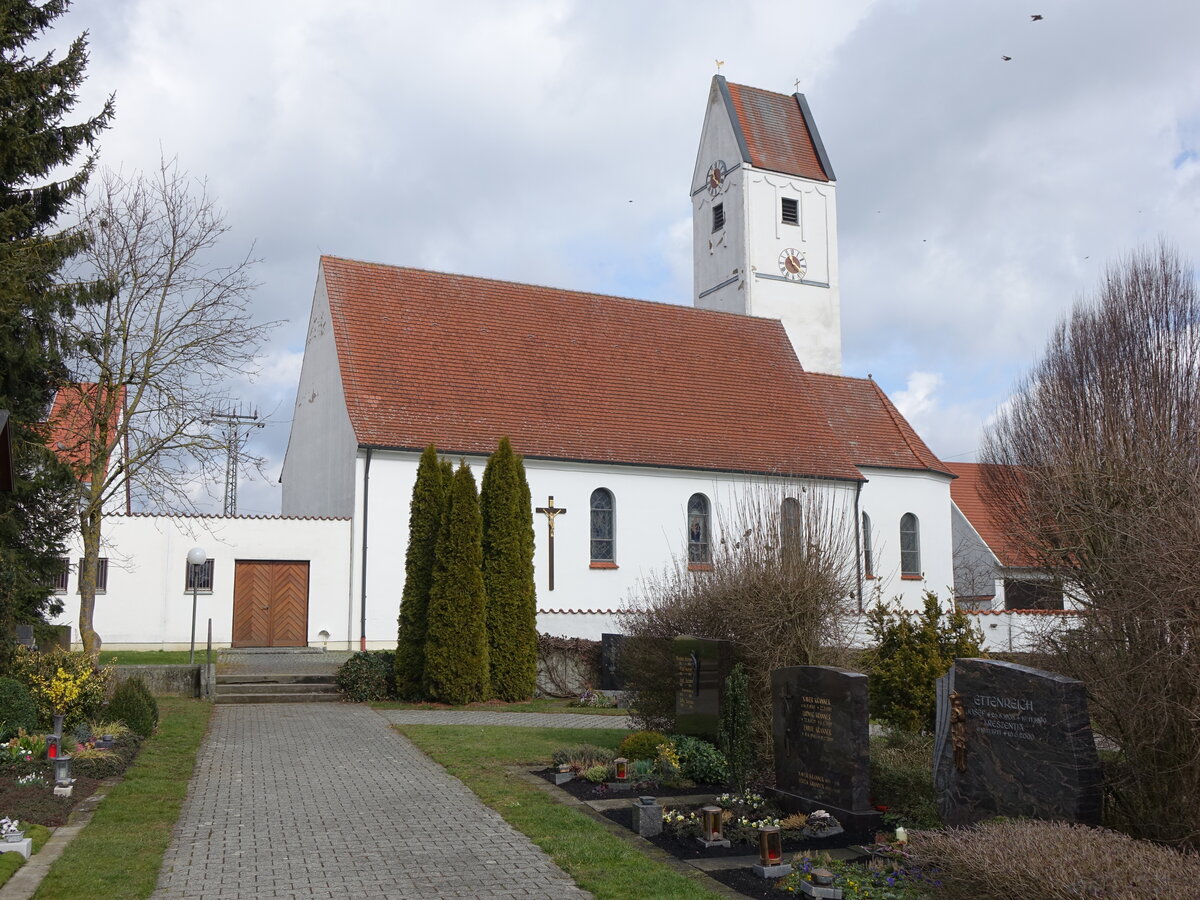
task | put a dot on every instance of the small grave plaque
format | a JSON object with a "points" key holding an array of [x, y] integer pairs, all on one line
{"points": [[1014, 741], [611, 676], [821, 732], [702, 666]]}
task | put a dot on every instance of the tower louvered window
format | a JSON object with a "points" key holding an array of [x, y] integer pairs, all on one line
{"points": [[789, 211], [718, 217]]}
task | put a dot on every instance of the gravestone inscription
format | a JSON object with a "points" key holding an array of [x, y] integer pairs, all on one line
{"points": [[702, 665], [612, 677], [821, 736], [1013, 741]]}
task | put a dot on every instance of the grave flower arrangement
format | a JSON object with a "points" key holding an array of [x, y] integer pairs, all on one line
{"points": [[10, 827], [876, 880]]}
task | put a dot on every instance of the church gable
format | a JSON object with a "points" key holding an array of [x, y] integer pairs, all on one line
{"points": [[427, 357]]}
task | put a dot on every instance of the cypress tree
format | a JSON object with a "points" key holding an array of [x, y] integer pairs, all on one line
{"points": [[36, 93], [424, 521], [507, 516], [456, 650]]}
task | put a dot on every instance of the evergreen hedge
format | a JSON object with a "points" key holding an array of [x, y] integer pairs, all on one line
{"points": [[507, 516], [456, 648], [129, 705], [424, 521]]}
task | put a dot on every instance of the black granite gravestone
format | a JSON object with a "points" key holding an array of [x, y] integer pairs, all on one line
{"points": [[1013, 741], [702, 666], [821, 733], [612, 678]]}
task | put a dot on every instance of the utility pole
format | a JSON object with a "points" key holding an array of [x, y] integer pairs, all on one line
{"points": [[233, 447]]}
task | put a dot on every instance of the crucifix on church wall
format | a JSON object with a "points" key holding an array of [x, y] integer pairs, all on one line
{"points": [[550, 511]]}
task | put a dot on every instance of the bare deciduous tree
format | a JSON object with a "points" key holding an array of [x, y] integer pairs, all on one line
{"points": [[783, 575], [157, 356], [1100, 478]]}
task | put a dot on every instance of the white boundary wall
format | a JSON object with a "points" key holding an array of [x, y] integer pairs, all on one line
{"points": [[147, 606]]}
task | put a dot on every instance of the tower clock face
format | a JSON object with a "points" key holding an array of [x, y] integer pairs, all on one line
{"points": [[715, 179], [792, 264]]}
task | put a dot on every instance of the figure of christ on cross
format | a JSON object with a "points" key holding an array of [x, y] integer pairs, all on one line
{"points": [[550, 511]]}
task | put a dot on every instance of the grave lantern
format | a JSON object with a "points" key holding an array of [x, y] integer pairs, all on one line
{"points": [[62, 770], [770, 846], [622, 766], [710, 823], [51, 746]]}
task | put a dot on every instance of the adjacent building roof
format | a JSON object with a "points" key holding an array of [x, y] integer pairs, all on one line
{"points": [[985, 517], [875, 433], [778, 131], [72, 424], [427, 357]]}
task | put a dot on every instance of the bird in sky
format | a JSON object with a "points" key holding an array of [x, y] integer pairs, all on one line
{"points": [[1036, 18], [1006, 58]]}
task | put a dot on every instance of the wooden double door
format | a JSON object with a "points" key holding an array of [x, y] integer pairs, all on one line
{"points": [[270, 603]]}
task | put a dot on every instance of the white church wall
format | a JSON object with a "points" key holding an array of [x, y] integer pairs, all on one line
{"points": [[886, 497], [147, 605], [650, 528], [318, 470]]}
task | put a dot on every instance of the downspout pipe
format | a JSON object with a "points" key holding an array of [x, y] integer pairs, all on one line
{"points": [[362, 635], [858, 572]]}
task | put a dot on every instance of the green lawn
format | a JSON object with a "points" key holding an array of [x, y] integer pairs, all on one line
{"points": [[150, 657], [598, 861], [120, 852], [540, 705]]}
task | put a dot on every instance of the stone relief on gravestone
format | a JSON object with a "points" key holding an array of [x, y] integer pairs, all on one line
{"points": [[1014, 741]]}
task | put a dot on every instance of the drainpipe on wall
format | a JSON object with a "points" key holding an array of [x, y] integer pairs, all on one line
{"points": [[362, 638], [858, 543]]}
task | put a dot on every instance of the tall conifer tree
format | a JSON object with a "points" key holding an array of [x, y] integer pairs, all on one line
{"points": [[36, 94], [507, 515], [456, 650], [424, 521]]}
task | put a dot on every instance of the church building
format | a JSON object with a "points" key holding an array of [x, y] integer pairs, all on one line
{"points": [[642, 424]]}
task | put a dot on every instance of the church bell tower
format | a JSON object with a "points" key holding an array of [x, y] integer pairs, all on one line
{"points": [[764, 219]]}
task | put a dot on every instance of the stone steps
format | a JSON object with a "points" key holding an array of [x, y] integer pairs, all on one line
{"points": [[276, 688]]}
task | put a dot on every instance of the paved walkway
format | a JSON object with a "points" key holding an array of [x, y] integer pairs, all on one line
{"points": [[484, 717], [327, 800]]}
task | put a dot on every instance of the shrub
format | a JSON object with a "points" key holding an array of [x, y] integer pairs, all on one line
{"points": [[151, 703], [367, 675], [129, 706], [700, 761], [902, 779], [33, 669], [1053, 861], [17, 708], [736, 739], [597, 774], [912, 651], [581, 757], [641, 745]]}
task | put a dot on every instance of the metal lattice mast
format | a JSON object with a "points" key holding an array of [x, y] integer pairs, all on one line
{"points": [[233, 447]]}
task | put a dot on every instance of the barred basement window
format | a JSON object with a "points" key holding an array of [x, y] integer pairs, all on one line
{"points": [[60, 580], [602, 526], [718, 217], [101, 574], [789, 211], [201, 576]]}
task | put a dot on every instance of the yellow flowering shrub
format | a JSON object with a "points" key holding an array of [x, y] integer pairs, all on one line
{"points": [[68, 684]]}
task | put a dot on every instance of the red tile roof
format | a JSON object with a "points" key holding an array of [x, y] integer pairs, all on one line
{"points": [[459, 362], [777, 134], [875, 433], [72, 424], [968, 494]]}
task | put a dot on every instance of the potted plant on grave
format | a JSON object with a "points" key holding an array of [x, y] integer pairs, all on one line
{"points": [[11, 830]]}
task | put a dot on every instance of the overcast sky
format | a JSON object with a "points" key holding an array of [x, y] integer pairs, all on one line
{"points": [[553, 143]]}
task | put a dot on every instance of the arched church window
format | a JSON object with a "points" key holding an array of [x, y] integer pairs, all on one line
{"points": [[868, 553], [603, 526], [699, 548], [790, 528], [910, 545]]}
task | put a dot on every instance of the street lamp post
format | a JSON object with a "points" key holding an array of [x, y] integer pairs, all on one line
{"points": [[196, 558]]}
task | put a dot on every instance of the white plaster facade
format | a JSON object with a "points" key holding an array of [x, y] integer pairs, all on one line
{"points": [[147, 605], [739, 267]]}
